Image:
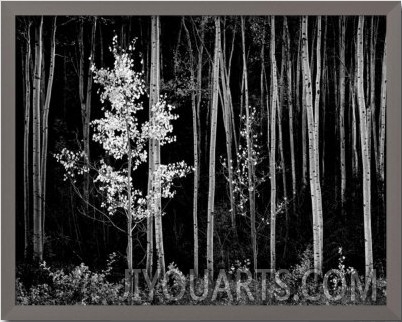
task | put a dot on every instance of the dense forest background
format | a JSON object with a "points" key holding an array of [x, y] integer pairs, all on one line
{"points": [[263, 62]]}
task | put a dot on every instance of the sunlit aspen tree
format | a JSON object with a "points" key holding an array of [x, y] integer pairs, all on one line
{"points": [[212, 150], [273, 147], [364, 142], [36, 132]]}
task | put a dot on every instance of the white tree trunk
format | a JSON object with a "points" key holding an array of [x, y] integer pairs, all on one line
{"points": [[212, 151], [290, 106], [342, 27], [37, 189], [383, 114], [273, 147], [368, 247], [45, 122], [195, 149], [27, 79], [154, 97], [312, 147]]}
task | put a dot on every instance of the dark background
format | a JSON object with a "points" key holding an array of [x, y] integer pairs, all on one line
{"points": [[72, 238]]}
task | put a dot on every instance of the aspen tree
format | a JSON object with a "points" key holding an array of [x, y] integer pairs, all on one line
{"points": [[273, 147], [150, 218], [316, 139], [355, 157], [373, 41], [251, 162], [303, 112], [45, 121], [199, 77], [88, 99], [153, 99], [27, 100], [129, 210], [353, 87], [228, 121], [342, 86], [81, 89], [37, 191], [212, 151], [381, 149], [229, 93], [262, 59], [268, 101], [43, 84], [312, 144], [279, 104], [363, 120], [366, 85], [290, 107], [226, 110], [195, 148], [199, 81], [324, 97], [85, 97]]}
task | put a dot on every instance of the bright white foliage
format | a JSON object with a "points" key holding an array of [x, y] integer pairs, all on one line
{"points": [[240, 173], [120, 93], [71, 162]]}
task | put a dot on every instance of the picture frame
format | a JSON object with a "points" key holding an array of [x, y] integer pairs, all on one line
{"points": [[392, 311]]}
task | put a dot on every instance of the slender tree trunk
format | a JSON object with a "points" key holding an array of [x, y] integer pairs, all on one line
{"points": [[279, 105], [366, 63], [313, 174], [364, 151], [342, 29], [229, 93], [283, 170], [290, 107], [27, 79], [129, 213], [353, 87], [150, 218], [43, 84], [88, 106], [212, 151], [45, 122], [381, 149], [199, 82], [303, 112], [262, 58], [250, 157], [373, 41], [228, 118], [37, 191], [316, 141], [226, 110], [195, 148], [355, 157], [324, 98], [81, 91], [273, 147], [154, 97]]}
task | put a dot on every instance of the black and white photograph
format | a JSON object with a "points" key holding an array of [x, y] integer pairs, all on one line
{"points": [[201, 160]]}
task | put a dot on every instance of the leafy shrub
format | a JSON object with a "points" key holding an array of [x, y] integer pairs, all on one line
{"points": [[79, 286]]}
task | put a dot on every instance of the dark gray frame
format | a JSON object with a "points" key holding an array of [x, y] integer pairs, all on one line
{"points": [[392, 311]]}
